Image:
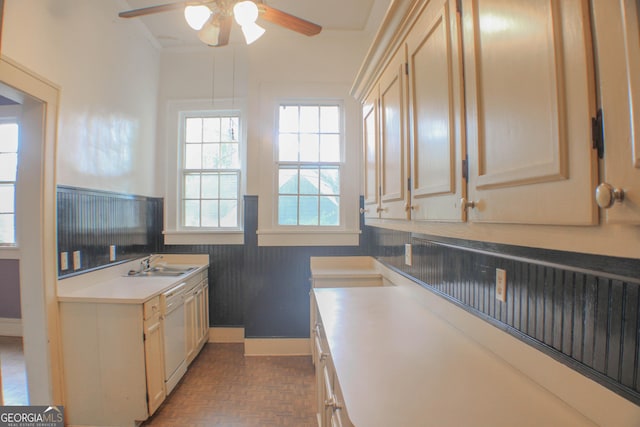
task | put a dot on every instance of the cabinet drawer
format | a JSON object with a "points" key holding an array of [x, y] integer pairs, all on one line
{"points": [[151, 307]]}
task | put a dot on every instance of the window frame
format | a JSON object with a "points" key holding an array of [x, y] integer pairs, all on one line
{"points": [[270, 233], [13, 119], [174, 232]]}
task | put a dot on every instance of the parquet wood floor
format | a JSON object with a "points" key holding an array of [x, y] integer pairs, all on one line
{"points": [[224, 388]]}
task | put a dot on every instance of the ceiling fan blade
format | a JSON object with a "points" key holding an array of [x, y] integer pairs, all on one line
{"points": [[225, 30], [152, 9], [286, 20]]}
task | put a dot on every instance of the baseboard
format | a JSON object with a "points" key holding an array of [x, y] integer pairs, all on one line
{"points": [[10, 327], [277, 347], [226, 335]]}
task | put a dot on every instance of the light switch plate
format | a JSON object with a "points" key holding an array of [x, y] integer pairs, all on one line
{"points": [[76, 260], [64, 261], [408, 255], [501, 285]]}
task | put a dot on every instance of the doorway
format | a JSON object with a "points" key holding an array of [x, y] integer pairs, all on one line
{"points": [[35, 242]]}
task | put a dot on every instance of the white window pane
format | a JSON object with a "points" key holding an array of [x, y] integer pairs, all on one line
{"points": [[192, 187], [288, 210], [211, 129], [193, 156], [330, 181], [210, 156], [309, 119], [229, 156], [330, 119], [191, 213], [330, 148], [8, 166], [230, 129], [9, 138], [309, 147], [7, 228], [288, 181], [209, 213], [210, 186], [288, 119], [7, 198], [329, 210], [308, 210], [228, 213], [229, 186], [309, 181], [288, 147], [193, 130]]}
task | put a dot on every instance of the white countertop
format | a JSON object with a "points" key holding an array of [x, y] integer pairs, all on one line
{"points": [[112, 285], [399, 364]]}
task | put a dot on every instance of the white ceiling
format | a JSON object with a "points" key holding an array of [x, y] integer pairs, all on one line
{"points": [[171, 30]]}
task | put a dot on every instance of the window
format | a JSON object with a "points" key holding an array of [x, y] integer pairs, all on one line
{"points": [[8, 176], [309, 163], [308, 160], [210, 193]]}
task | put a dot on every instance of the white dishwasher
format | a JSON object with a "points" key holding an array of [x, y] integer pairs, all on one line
{"points": [[172, 306]]}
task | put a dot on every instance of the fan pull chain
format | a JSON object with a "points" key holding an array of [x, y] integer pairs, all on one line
{"points": [[213, 80]]}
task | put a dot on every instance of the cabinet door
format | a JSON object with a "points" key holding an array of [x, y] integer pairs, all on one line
{"points": [[154, 359], [190, 322], [204, 310], [393, 141], [436, 114], [617, 39], [529, 98], [371, 155]]}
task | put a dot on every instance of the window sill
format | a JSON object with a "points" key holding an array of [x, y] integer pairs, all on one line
{"points": [[203, 237], [308, 238]]}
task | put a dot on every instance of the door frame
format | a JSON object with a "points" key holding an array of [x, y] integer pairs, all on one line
{"points": [[38, 254]]}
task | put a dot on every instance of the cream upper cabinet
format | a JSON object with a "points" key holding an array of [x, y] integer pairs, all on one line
{"points": [[393, 138], [530, 97], [436, 113], [371, 151], [617, 45]]}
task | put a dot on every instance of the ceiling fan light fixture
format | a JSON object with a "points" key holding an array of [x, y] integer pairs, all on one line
{"points": [[197, 16], [210, 33], [245, 13], [252, 32]]}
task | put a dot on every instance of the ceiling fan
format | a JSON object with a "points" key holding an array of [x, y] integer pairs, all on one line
{"points": [[213, 18]]}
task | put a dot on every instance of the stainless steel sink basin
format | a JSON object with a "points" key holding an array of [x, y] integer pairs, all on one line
{"points": [[161, 271]]}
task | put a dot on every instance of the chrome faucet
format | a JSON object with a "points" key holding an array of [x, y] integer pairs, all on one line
{"points": [[145, 264]]}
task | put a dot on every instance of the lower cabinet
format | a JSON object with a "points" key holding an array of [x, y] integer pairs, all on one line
{"points": [[113, 356], [154, 354], [196, 305], [113, 362], [331, 411]]}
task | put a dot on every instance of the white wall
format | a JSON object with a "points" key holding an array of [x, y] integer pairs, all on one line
{"points": [[108, 72], [279, 57]]}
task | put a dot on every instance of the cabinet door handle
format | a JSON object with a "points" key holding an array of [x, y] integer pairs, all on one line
{"points": [[378, 210], [607, 195], [408, 207], [467, 204], [364, 211]]}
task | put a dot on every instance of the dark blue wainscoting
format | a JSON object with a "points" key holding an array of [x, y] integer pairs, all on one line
{"points": [[263, 289], [583, 310], [90, 221]]}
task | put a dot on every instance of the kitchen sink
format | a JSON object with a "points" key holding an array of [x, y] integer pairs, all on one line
{"points": [[161, 271]]}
